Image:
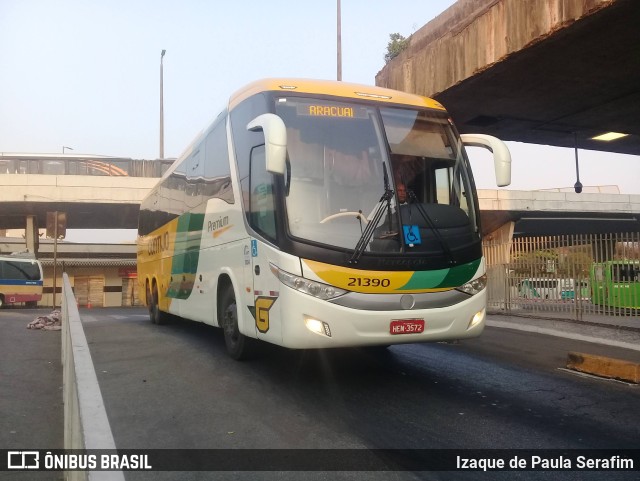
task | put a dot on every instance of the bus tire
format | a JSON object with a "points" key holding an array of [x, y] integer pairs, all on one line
{"points": [[149, 301], [1, 301], [157, 316], [239, 346]]}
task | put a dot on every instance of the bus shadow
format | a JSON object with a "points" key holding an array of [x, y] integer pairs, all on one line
{"points": [[310, 364]]}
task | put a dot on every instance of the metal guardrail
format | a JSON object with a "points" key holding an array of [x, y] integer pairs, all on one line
{"points": [[85, 420]]}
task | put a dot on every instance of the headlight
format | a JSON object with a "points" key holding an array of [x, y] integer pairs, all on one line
{"points": [[319, 327], [477, 318], [315, 289], [474, 286]]}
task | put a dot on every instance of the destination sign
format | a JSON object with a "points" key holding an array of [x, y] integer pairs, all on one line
{"points": [[329, 110]]}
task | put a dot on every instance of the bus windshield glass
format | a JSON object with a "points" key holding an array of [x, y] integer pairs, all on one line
{"points": [[342, 158]]}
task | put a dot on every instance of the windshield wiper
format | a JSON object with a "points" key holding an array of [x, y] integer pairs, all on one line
{"points": [[384, 204]]}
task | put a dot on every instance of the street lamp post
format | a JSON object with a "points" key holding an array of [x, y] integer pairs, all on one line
{"points": [[339, 28], [578, 185], [161, 108], [65, 147]]}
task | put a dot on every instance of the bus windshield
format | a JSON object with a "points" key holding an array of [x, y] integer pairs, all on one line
{"points": [[625, 272], [343, 156], [20, 281]]}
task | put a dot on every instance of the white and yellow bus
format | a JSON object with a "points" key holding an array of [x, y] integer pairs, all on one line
{"points": [[320, 214], [20, 280]]}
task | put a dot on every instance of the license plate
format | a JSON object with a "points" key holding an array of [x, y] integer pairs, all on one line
{"points": [[406, 326]]}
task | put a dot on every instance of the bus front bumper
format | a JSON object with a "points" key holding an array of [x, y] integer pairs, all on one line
{"points": [[308, 322]]}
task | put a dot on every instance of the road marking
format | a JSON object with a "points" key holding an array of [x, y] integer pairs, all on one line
{"points": [[567, 335]]}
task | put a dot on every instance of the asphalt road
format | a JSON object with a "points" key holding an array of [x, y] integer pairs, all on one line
{"points": [[174, 387], [31, 407]]}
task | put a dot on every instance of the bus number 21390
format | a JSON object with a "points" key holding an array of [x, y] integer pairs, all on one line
{"points": [[368, 282]]}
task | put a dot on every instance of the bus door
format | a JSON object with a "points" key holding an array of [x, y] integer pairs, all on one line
{"points": [[262, 217], [265, 293]]}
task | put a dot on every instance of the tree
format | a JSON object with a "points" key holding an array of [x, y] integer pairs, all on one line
{"points": [[397, 43], [538, 263]]}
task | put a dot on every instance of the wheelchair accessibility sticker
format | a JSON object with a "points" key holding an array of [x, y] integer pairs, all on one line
{"points": [[412, 235]]}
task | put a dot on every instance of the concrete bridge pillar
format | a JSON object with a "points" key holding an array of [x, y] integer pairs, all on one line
{"points": [[497, 245], [32, 234]]}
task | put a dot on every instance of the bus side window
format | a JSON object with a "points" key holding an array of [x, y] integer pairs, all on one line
{"points": [[244, 140], [262, 202], [194, 174], [217, 171]]}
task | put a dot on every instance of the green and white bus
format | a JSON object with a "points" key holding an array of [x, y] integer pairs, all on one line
{"points": [[320, 214], [616, 283]]}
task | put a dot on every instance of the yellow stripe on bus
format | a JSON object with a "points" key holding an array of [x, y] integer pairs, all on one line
{"points": [[368, 282], [155, 256]]}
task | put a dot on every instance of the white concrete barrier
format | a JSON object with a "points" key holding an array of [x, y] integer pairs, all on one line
{"points": [[85, 420]]}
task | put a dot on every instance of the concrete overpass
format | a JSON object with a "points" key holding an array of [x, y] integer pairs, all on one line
{"points": [[32, 184], [541, 213], [91, 202], [531, 71]]}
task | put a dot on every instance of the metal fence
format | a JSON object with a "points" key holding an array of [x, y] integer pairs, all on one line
{"points": [[583, 277]]}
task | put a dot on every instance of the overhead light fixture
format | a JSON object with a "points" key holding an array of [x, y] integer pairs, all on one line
{"points": [[609, 136]]}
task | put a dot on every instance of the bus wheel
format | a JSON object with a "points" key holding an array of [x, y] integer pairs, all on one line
{"points": [[149, 302], [157, 316], [239, 347], [1, 301]]}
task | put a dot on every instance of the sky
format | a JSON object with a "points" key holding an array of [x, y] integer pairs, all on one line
{"points": [[85, 74]]}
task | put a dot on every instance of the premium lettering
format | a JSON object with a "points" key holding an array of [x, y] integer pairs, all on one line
{"points": [[218, 224]]}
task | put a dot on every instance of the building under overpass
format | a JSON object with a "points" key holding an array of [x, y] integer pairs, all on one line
{"points": [[101, 274]]}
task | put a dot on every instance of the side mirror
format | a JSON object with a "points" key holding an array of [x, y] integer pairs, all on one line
{"points": [[501, 154], [275, 140]]}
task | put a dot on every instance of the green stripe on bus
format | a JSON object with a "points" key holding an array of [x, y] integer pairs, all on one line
{"points": [[186, 255], [442, 278]]}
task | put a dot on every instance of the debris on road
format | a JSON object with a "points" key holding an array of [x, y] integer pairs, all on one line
{"points": [[52, 322]]}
